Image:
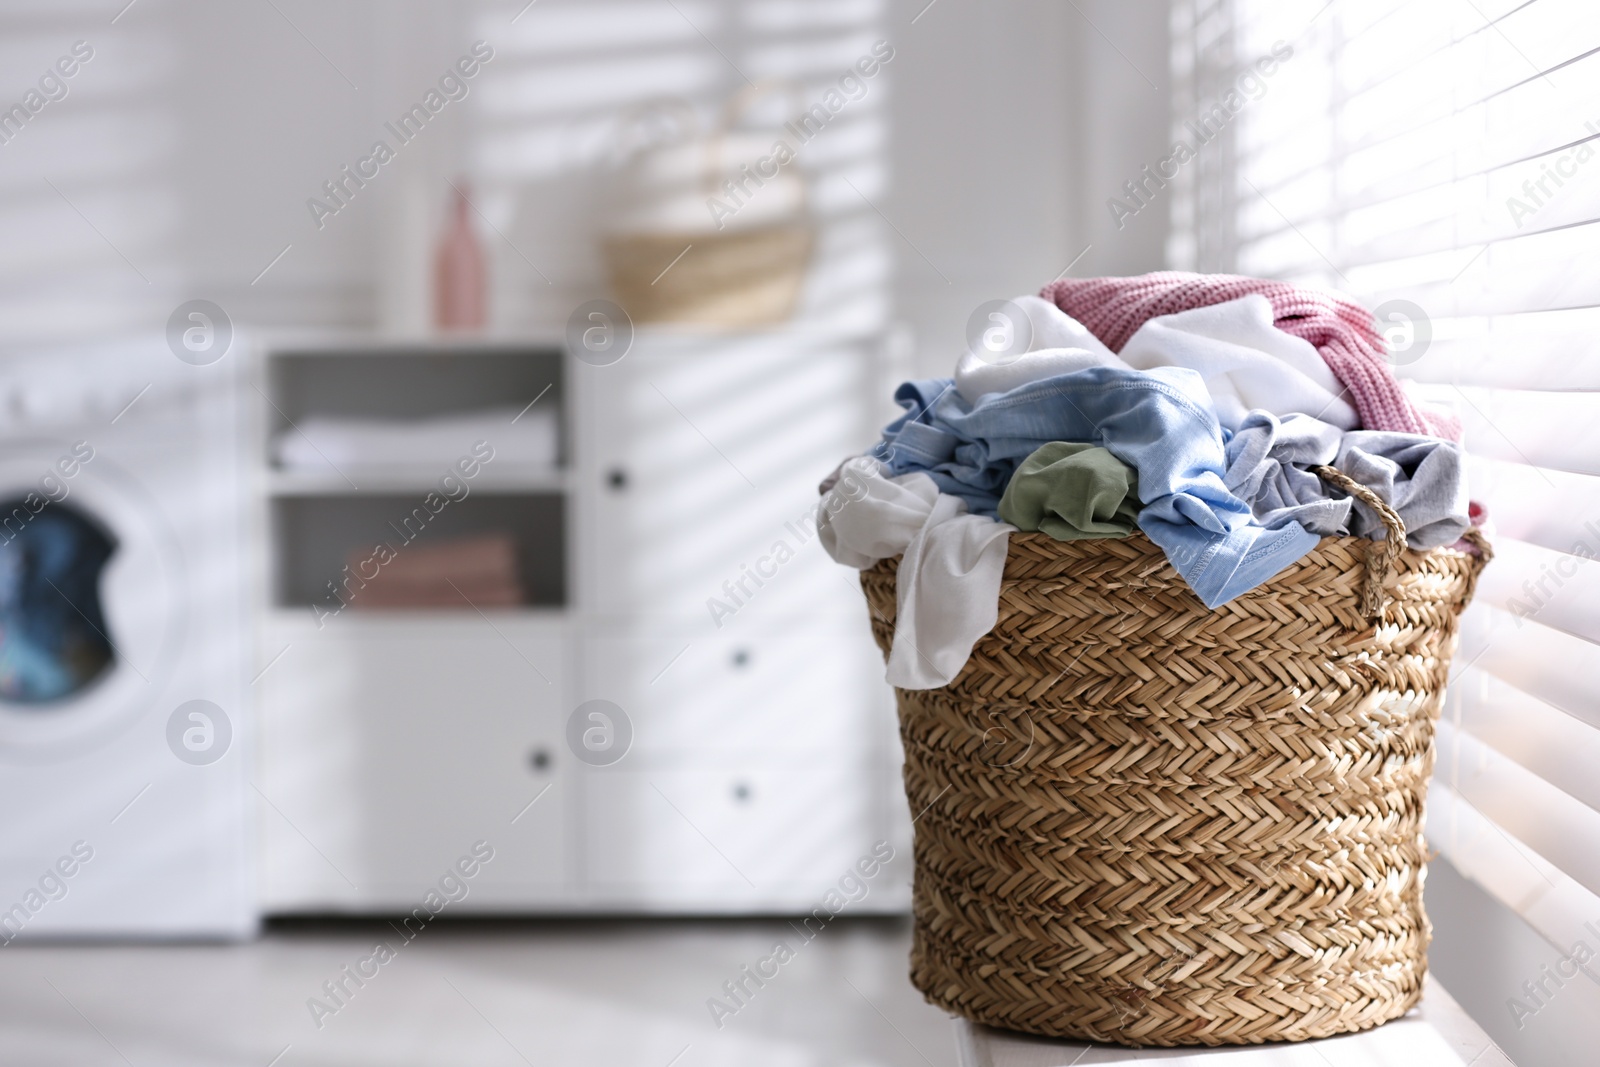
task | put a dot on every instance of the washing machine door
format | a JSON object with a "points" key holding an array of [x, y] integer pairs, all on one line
{"points": [[92, 600]]}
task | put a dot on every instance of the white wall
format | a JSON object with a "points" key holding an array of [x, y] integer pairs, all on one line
{"points": [[1123, 95], [1011, 125], [178, 164], [189, 145]]}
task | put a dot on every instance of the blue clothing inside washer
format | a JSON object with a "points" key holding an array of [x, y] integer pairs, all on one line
{"points": [[53, 634]]}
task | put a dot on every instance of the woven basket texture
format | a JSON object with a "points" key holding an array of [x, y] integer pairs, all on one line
{"points": [[741, 278], [1145, 822]]}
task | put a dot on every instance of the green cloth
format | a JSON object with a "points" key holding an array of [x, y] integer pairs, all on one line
{"points": [[1072, 490]]}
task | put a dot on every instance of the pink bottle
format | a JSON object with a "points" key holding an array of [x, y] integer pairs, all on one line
{"points": [[460, 280]]}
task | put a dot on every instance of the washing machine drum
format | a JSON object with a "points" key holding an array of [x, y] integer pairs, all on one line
{"points": [[91, 601], [53, 641]]}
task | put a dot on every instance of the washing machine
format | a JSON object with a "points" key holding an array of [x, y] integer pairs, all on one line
{"points": [[123, 678]]}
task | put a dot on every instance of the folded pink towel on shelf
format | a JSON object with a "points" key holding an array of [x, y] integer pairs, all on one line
{"points": [[1343, 332], [475, 571]]}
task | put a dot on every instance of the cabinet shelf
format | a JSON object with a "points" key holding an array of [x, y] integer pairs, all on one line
{"points": [[391, 479], [287, 621], [318, 534]]}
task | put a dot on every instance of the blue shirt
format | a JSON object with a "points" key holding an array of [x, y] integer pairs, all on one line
{"points": [[1159, 421]]}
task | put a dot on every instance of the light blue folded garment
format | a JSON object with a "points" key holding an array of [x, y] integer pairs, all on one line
{"points": [[1422, 478], [1158, 421], [1268, 468]]}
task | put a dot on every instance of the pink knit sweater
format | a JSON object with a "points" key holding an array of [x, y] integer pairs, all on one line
{"points": [[1343, 331]]}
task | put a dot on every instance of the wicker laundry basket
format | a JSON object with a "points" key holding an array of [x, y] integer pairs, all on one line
{"points": [[671, 258], [1149, 823], [742, 278]]}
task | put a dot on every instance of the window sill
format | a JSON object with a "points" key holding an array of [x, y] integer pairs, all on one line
{"points": [[1437, 1033]]}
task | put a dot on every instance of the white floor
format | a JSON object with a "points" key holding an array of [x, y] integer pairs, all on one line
{"points": [[551, 994]]}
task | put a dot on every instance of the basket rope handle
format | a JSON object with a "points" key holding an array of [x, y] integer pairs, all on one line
{"points": [[630, 123], [735, 109], [1476, 539], [1381, 554]]}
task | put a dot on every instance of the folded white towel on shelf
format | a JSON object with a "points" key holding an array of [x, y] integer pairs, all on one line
{"points": [[947, 593], [320, 441]]}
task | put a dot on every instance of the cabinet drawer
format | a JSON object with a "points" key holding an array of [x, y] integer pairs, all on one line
{"points": [[753, 691], [731, 837], [387, 748], [700, 463]]}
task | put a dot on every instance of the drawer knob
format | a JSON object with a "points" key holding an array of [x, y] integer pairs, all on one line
{"points": [[616, 479]]}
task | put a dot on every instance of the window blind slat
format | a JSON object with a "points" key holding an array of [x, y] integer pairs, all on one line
{"points": [[1543, 429], [1522, 41], [1557, 589], [1449, 155], [1434, 173], [1523, 198], [1530, 115], [1551, 350], [1553, 824], [1543, 739], [1514, 874], [1429, 142], [1411, 34], [1362, 18], [1552, 509], [1532, 272], [1559, 669]]}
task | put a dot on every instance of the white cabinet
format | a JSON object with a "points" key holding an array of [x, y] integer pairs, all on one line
{"points": [[703, 459], [752, 691], [741, 655], [669, 565], [389, 747], [729, 837]]}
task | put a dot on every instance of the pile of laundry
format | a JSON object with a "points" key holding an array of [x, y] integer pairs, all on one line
{"points": [[1191, 407]]}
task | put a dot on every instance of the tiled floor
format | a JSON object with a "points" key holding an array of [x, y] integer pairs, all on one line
{"points": [[551, 994]]}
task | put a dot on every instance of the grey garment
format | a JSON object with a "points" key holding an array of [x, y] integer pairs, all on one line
{"points": [[1267, 460], [1422, 478]]}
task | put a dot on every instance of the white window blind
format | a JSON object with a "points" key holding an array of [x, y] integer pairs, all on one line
{"points": [[1447, 154]]}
